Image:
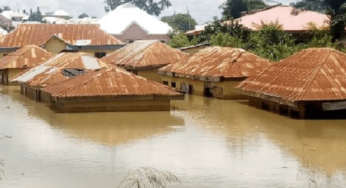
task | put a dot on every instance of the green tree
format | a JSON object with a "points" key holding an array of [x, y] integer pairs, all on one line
{"points": [[226, 40], [36, 16], [84, 15], [336, 9], [181, 40], [150, 6], [233, 8], [182, 22], [255, 4]]}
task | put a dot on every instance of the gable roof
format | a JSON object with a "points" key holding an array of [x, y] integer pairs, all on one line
{"points": [[38, 34], [145, 53], [219, 62], [26, 57], [111, 81], [50, 72], [313, 74], [283, 14], [120, 19]]}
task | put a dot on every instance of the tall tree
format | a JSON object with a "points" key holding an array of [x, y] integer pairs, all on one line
{"points": [[336, 9], [151, 7], [84, 15], [182, 22], [35, 16], [6, 8], [233, 8]]}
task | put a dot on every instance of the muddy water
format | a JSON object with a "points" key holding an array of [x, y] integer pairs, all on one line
{"points": [[205, 142]]}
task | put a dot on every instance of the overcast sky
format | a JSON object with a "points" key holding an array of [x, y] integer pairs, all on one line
{"points": [[201, 10]]}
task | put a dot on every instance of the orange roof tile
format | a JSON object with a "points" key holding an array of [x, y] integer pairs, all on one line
{"points": [[145, 53], [316, 74], [38, 34], [50, 72], [218, 62], [26, 57], [111, 81]]}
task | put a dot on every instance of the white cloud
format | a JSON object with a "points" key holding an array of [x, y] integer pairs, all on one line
{"points": [[201, 10]]}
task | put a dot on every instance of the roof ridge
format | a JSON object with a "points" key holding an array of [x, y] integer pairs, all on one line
{"points": [[234, 60], [314, 76], [245, 13]]}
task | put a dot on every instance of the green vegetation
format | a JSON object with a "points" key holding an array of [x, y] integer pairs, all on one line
{"points": [[182, 22], [84, 15], [150, 6], [233, 8], [181, 40]]}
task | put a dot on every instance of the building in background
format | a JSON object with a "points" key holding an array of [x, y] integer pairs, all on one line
{"points": [[129, 23], [194, 49], [56, 38], [4, 21]]}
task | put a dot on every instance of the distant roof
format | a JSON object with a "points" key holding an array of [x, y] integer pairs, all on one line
{"points": [[38, 34], [116, 82], [145, 53], [218, 62], [26, 57], [283, 14], [120, 19], [61, 13], [316, 74], [50, 72], [198, 29], [10, 14]]}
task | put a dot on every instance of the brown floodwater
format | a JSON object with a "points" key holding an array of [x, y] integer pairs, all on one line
{"points": [[207, 143]]}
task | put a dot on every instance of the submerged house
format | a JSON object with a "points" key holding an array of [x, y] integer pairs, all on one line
{"points": [[110, 89], [55, 70], [213, 72], [307, 84], [56, 38], [144, 57], [20, 60], [130, 23]]}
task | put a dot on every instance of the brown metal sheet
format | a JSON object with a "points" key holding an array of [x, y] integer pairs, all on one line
{"points": [[111, 81], [26, 57], [315, 74], [145, 53], [38, 34], [219, 62]]}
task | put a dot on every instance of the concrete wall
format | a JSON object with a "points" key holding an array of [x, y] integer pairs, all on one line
{"points": [[194, 50], [221, 90], [31, 93], [151, 75], [112, 106], [55, 46], [135, 32], [7, 74]]}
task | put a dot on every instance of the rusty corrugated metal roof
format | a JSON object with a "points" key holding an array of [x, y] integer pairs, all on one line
{"points": [[219, 62], [38, 34], [50, 72], [26, 57], [312, 74], [111, 81], [145, 53]]}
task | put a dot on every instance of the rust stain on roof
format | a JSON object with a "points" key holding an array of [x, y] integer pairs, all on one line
{"points": [[219, 62], [315, 74], [38, 34], [145, 53], [52, 71], [111, 81], [26, 57]]}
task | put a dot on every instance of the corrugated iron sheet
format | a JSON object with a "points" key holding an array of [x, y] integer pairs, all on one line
{"points": [[316, 74], [219, 62], [145, 53], [111, 81], [26, 57], [50, 72], [38, 34]]}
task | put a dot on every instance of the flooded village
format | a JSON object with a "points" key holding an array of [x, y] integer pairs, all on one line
{"points": [[129, 100]]}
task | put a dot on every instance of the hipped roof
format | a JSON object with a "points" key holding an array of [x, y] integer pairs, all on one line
{"points": [[145, 53], [38, 34], [316, 74], [26, 57], [111, 81], [50, 72], [219, 62]]}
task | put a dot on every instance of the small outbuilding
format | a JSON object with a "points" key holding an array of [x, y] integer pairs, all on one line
{"points": [[144, 57], [110, 89], [213, 72], [55, 70], [20, 60], [310, 83]]}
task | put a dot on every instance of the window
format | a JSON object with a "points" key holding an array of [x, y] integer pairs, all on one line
{"points": [[131, 41], [100, 54], [165, 83], [173, 84]]}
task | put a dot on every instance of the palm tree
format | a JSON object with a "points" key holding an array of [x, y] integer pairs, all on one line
{"points": [[335, 9]]}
